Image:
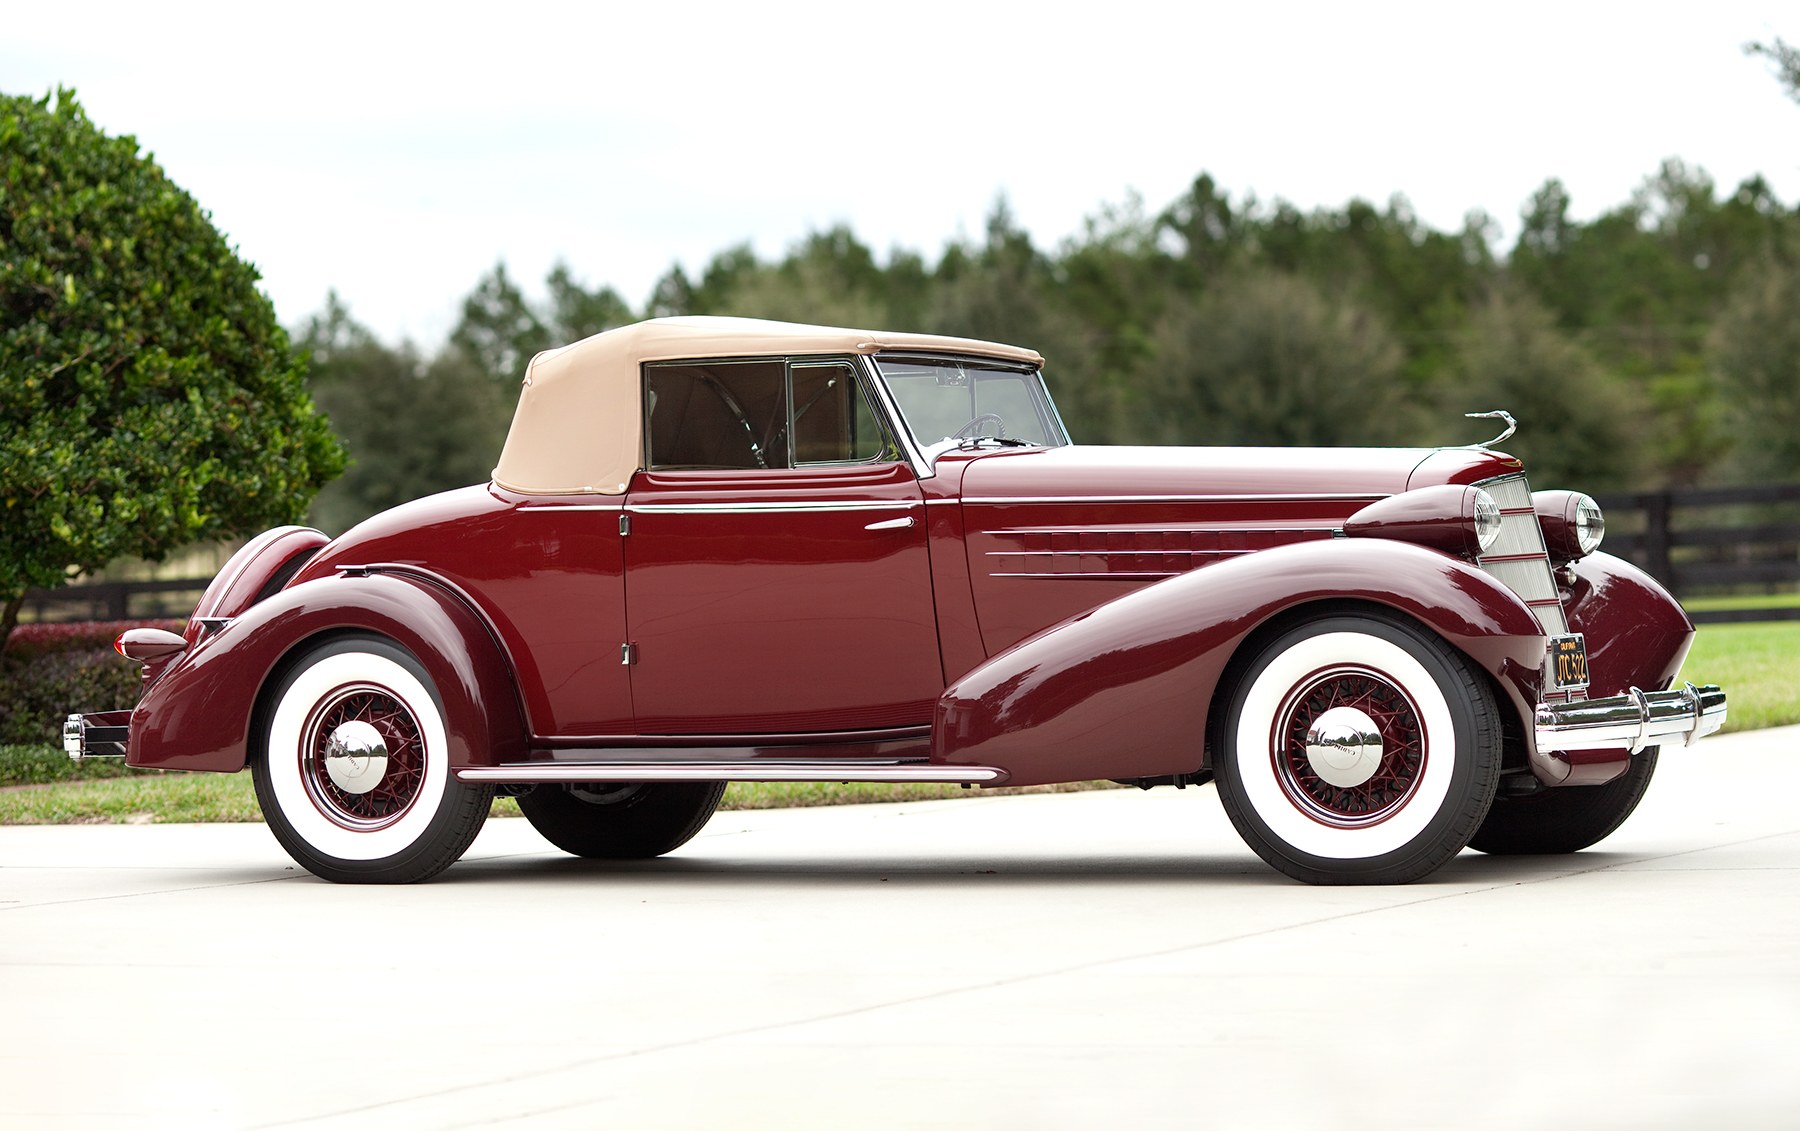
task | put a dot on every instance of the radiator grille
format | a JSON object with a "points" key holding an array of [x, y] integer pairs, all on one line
{"points": [[1518, 559]]}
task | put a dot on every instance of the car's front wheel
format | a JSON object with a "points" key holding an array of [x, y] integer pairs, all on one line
{"points": [[1357, 750], [352, 767], [621, 820]]}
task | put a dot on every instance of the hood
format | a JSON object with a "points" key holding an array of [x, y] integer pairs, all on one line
{"points": [[1094, 472]]}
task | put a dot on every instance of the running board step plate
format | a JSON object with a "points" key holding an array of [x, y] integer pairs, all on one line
{"points": [[521, 772]]}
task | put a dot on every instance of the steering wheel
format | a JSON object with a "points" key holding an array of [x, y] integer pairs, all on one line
{"points": [[973, 427]]}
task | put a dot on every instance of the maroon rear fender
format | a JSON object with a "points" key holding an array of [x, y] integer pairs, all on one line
{"points": [[200, 715], [1124, 691]]}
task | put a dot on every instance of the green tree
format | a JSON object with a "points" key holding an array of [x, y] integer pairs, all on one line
{"points": [[1578, 424], [1755, 350], [1786, 58], [412, 427], [1265, 357], [576, 312], [148, 397], [499, 332]]}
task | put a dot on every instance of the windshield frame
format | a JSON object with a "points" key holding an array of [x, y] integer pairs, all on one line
{"points": [[926, 450]]}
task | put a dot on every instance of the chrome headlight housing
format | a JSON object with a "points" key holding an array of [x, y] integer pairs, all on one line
{"points": [[1572, 522]]}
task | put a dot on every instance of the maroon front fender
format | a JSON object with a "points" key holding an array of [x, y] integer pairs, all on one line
{"points": [[1637, 634], [199, 715], [1123, 691]]}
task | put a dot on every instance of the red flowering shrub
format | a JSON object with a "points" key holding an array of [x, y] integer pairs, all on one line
{"points": [[29, 640], [51, 670]]}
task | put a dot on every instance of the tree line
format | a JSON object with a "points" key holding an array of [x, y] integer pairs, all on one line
{"points": [[1656, 344]]}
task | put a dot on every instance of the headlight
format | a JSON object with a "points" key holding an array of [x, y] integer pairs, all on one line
{"points": [[1590, 525], [1573, 524], [1487, 520], [1452, 517]]}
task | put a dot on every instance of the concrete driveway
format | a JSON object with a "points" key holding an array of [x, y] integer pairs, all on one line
{"points": [[1109, 959]]}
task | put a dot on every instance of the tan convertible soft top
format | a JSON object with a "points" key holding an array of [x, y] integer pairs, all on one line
{"points": [[579, 425]]}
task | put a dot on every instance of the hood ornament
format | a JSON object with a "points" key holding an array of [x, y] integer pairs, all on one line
{"points": [[1498, 414]]}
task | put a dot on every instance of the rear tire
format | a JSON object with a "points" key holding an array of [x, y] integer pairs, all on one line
{"points": [[352, 768], [1358, 750], [621, 820], [1554, 822]]}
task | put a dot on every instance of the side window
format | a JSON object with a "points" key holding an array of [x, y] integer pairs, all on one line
{"points": [[716, 414], [833, 422]]}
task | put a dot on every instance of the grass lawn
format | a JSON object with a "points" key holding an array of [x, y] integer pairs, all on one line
{"points": [[126, 796], [1757, 664]]}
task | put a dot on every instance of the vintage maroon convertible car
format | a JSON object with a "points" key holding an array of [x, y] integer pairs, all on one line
{"points": [[726, 550]]}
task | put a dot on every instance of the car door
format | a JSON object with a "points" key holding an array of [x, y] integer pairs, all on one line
{"points": [[777, 580]]}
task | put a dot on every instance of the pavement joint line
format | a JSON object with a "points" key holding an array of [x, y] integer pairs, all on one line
{"points": [[20, 905]]}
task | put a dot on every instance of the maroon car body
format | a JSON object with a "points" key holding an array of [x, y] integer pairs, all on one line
{"points": [[723, 550]]}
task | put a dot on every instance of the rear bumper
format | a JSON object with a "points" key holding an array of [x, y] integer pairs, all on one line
{"points": [[98, 734], [1632, 721]]}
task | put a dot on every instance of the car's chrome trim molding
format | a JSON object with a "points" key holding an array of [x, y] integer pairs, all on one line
{"points": [[772, 508], [571, 508], [737, 770], [1631, 721], [1107, 500], [599, 747]]}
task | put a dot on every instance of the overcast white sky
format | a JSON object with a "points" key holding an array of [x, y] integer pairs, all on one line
{"points": [[397, 152]]}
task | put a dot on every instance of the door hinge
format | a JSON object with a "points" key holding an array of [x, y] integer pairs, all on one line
{"points": [[624, 525], [627, 654]]}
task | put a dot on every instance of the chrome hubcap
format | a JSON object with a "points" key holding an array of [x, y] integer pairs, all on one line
{"points": [[356, 757], [1343, 747]]}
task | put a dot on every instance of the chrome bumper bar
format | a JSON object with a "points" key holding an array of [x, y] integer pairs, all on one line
{"points": [[101, 734], [1632, 721]]}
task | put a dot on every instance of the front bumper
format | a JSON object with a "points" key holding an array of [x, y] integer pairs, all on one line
{"points": [[98, 734], [1632, 721]]}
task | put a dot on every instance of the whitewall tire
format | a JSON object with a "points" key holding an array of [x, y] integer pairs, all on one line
{"points": [[352, 767], [1357, 749]]}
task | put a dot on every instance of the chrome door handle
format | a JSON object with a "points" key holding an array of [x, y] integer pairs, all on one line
{"points": [[891, 524]]}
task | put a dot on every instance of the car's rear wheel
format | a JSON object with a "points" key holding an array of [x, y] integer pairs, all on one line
{"points": [[621, 820], [1357, 750], [352, 768], [1552, 822]]}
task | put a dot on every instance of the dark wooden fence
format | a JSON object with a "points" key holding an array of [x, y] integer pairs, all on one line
{"points": [[115, 600], [1706, 541], [1697, 542]]}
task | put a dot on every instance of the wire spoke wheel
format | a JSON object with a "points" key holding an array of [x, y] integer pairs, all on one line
{"points": [[1323, 753], [1357, 749], [352, 767]]}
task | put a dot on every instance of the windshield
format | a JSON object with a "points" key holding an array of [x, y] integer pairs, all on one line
{"points": [[950, 401]]}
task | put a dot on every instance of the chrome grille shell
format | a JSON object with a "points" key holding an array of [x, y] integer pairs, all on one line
{"points": [[1518, 559]]}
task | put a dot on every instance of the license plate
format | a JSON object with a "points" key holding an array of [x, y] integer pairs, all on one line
{"points": [[1568, 663]]}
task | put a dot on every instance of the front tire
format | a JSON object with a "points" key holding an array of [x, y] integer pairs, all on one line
{"points": [[621, 820], [353, 769], [1358, 750], [1554, 822]]}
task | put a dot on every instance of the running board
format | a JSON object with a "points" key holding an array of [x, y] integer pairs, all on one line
{"points": [[745, 770]]}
